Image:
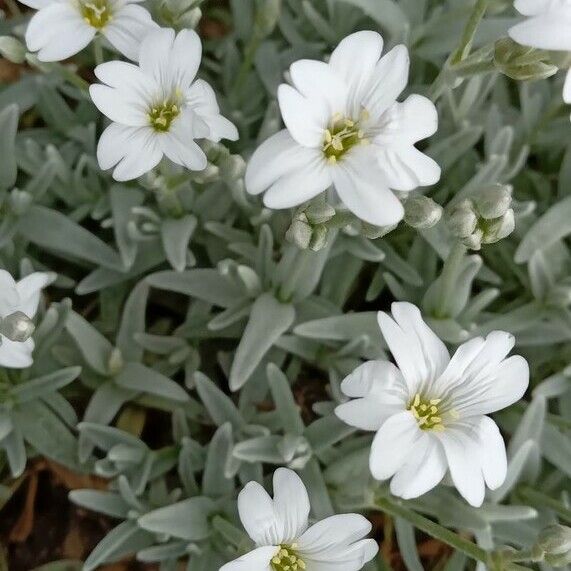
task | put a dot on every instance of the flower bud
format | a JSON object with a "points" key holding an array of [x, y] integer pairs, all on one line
{"points": [[267, 16], [373, 232], [17, 327], [319, 212], [493, 201], [555, 540], [421, 212], [521, 62], [462, 219], [499, 228], [12, 49], [299, 232]]}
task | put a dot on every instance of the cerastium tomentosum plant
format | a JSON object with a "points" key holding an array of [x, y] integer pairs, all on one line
{"points": [[204, 238]]}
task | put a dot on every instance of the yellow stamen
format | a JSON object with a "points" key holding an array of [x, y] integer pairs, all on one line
{"points": [[427, 413]]}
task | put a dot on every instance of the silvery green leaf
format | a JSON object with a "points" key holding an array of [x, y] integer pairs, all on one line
{"points": [[342, 327], [108, 503], [530, 426], [269, 320], [13, 444], [220, 407], [286, 406], [9, 117], [106, 437], [326, 431], [187, 520], [556, 448], [407, 544], [175, 236], [386, 13], [40, 386], [230, 316], [214, 480], [548, 229], [554, 386], [6, 425], [123, 200], [133, 323], [122, 540], [171, 551], [56, 232], [47, 433], [313, 479], [260, 449], [207, 285], [137, 377], [94, 347]]}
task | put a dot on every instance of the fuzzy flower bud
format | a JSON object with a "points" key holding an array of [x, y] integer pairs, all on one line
{"points": [[12, 49], [307, 229], [267, 16], [421, 212], [521, 62], [485, 219], [555, 542], [17, 327]]}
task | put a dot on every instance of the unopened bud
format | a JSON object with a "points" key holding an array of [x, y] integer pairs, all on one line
{"points": [[555, 539], [20, 201], [17, 327], [267, 16], [319, 212], [421, 212], [493, 201], [12, 49], [499, 228], [299, 232], [462, 219], [373, 232], [521, 62]]}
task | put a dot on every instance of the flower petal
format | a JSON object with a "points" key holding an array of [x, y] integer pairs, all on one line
{"points": [[423, 472], [278, 156], [532, 7], [406, 123], [351, 558], [16, 355], [256, 560], [388, 79], [178, 143], [332, 534], [119, 105], [406, 168], [127, 28], [492, 453], [355, 59], [304, 184], [462, 449], [57, 32], [258, 515], [155, 54], [548, 31], [134, 150], [291, 504], [202, 100], [9, 296], [393, 444], [420, 354], [30, 290], [362, 188], [305, 118], [318, 81]]}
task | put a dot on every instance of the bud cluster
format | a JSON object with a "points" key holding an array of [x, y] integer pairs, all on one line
{"points": [[554, 542], [521, 62], [484, 219]]}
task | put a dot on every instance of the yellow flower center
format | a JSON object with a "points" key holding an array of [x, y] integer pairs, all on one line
{"points": [[426, 412], [287, 559], [95, 12], [342, 135], [161, 116]]}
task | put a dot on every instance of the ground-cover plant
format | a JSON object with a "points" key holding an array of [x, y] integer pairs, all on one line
{"points": [[286, 285]]}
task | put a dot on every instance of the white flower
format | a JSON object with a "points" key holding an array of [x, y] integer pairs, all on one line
{"points": [[345, 128], [279, 528], [62, 28], [157, 107], [429, 412], [547, 27], [21, 296]]}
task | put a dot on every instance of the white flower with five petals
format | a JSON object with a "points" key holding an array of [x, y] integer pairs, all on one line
{"points": [[345, 128], [284, 542], [429, 411], [157, 107], [62, 28], [547, 27], [21, 296]]}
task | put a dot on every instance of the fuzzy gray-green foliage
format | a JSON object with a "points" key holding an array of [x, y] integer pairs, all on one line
{"points": [[180, 305]]}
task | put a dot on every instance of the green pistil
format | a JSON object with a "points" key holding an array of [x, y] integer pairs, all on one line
{"points": [[342, 135], [161, 116], [96, 13], [287, 559]]}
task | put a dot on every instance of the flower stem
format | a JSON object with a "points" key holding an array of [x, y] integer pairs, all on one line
{"points": [[449, 277], [395, 509], [463, 49], [98, 51]]}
